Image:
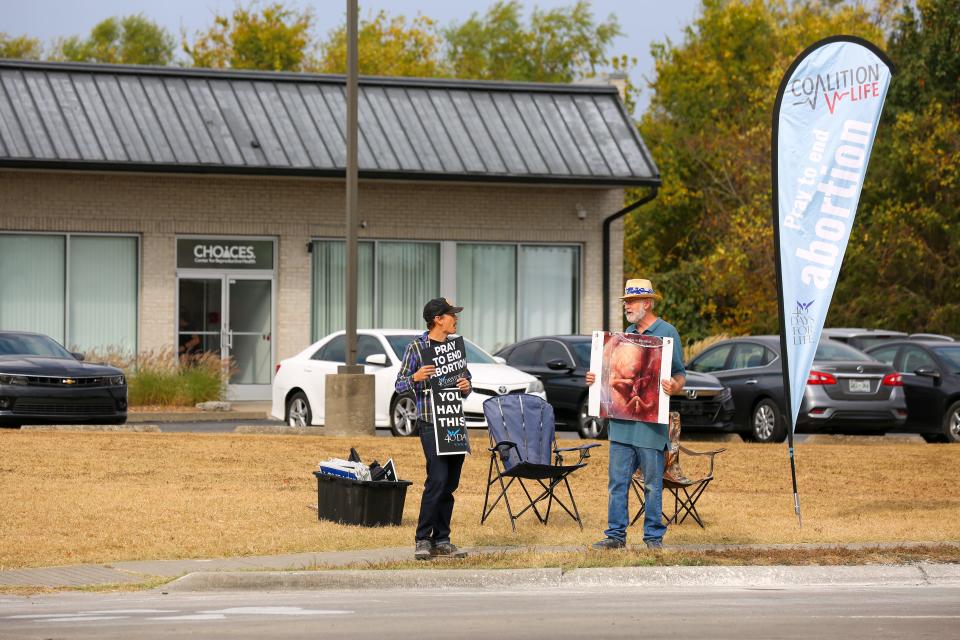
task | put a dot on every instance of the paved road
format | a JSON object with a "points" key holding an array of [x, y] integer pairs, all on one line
{"points": [[851, 613]]}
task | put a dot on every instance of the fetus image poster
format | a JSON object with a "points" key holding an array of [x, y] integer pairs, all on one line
{"points": [[629, 368]]}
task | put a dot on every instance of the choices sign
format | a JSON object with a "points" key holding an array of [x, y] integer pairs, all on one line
{"points": [[212, 253], [449, 423]]}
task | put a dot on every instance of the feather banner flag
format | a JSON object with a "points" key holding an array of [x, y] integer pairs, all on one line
{"points": [[824, 124]]}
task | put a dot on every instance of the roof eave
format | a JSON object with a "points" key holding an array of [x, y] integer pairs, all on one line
{"points": [[402, 176]]}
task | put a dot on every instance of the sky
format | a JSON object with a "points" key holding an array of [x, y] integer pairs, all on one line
{"points": [[642, 21]]}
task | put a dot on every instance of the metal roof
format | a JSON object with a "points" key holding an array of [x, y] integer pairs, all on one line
{"points": [[135, 118]]}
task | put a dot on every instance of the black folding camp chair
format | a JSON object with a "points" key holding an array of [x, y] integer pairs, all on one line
{"points": [[524, 448]]}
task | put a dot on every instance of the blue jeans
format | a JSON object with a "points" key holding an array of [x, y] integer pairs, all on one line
{"points": [[624, 460], [443, 478]]}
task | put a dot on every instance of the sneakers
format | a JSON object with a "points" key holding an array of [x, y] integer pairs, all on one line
{"points": [[654, 545], [608, 543], [424, 550], [447, 550]]}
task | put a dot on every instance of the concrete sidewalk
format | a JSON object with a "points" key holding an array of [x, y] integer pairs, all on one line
{"points": [[296, 571]]}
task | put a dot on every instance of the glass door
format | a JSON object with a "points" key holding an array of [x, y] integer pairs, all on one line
{"points": [[249, 336], [201, 317]]}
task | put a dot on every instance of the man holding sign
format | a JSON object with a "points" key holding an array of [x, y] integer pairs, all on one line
{"points": [[435, 371], [637, 443]]}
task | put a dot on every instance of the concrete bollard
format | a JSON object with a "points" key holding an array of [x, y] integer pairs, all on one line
{"points": [[349, 406]]}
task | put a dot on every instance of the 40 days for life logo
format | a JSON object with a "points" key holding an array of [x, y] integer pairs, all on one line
{"points": [[802, 323]]}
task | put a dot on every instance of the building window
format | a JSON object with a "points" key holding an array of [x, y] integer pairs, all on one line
{"points": [[514, 292], [395, 279], [80, 290], [509, 291]]}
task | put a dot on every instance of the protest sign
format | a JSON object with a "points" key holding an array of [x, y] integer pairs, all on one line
{"points": [[449, 423], [629, 368]]}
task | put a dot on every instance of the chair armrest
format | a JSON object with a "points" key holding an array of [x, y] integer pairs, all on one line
{"points": [[712, 454], [584, 450], [505, 443], [691, 452], [579, 447]]}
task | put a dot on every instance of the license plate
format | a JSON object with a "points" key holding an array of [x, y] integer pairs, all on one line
{"points": [[859, 386]]}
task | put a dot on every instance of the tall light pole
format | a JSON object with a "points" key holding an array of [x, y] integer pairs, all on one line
{"points": [[350, 365], [349, 404]]}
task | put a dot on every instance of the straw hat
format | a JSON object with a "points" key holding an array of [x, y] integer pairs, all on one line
{"points": [[639, 288]]}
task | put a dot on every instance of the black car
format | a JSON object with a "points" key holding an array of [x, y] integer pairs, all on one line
{"points": [[43, 383], [562, 362], [931, 384], [847, 391]]}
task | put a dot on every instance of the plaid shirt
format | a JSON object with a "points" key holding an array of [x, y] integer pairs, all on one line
{"points": [[405, 383]]}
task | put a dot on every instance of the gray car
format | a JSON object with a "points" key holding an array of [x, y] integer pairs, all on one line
{"points": [[847, 391]]}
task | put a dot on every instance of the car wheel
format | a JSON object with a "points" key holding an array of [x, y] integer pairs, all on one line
{"points": [[767, 423], [403, 416], [951, 423], [589, 426], [298, 410]]}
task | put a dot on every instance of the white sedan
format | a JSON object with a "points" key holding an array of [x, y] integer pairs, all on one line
{"points": [[299, 383]]}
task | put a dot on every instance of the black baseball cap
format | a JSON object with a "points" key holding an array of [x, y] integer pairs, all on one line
{"points": [[438, 307]]}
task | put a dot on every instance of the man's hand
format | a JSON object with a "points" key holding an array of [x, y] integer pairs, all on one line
{"points": [[591, 378], [424, 372], [673, 386], [464, 385]]}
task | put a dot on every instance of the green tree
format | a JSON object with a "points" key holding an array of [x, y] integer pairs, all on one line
{"points": [[559, 45], [274, 38], [20, 47], [902, 268], [707, 239], [129, 40], [387, 46]]}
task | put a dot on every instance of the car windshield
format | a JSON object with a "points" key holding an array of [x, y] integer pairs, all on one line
{"points": [[839, 351], [951, 355], [475, 354], [581, 351], [22, 344]]}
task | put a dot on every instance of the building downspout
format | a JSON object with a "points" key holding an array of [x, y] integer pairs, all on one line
{"points": [[607, 222]]}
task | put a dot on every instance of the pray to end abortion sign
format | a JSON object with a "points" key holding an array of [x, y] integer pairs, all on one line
{"points": [[449, 423]]}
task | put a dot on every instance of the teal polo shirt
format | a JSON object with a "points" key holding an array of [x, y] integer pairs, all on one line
{"points": [[651, 435]]}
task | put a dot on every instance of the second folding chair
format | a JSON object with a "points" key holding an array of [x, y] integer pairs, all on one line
{"points": [[524, 452], [686, 491]]}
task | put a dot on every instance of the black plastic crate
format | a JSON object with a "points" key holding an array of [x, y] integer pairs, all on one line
{"points": [[365, 502]]}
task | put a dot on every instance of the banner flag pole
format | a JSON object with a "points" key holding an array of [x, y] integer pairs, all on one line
{"points": [[824, 124]]}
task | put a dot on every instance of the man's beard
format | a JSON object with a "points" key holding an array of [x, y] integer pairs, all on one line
{"points": [[638, 316]]}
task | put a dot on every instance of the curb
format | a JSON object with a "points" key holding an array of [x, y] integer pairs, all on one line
{"points": [[280, 429], [196, 416], [734, 577], [128, 428]]}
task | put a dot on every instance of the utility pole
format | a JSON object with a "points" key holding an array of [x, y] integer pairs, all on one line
{"points": [[350, 366], [349, 402]]}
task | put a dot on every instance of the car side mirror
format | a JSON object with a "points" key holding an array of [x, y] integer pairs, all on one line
{"points": [[559, 365], [377, 359], [499, 360], [78, 356], [928, 372]]}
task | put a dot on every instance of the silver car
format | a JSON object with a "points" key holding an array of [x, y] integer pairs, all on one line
{"points": [[847, 391]]}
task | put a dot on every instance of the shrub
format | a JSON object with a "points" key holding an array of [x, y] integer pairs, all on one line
{"points": [[162, 378]]}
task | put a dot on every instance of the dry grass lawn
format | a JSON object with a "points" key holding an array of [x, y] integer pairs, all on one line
{"points": [[97, 497]]}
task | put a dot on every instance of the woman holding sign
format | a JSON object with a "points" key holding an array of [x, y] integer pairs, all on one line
{"points": [[419, 375]]}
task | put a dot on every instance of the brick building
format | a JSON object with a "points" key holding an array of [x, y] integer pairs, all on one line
{"points": [[141, 208]]}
